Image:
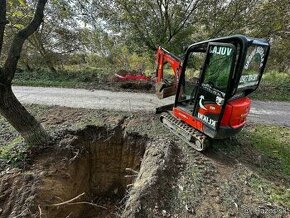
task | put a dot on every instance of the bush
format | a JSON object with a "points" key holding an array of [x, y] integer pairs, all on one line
{"points": [[274, 86]]}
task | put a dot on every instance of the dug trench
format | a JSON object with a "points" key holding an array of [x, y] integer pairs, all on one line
{"points": [[93, 172]]}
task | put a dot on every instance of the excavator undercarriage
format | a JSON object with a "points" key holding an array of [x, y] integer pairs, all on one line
{"points": [[191, 136]]}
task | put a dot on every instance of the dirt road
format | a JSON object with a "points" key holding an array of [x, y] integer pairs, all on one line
{"points": [[261, 111]]}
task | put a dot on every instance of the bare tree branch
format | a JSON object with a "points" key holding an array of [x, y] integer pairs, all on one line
{"points": [[181, 25], [148, 41], [19, 39]]}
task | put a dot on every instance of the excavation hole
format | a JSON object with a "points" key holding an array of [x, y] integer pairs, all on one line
{"points": [[103, 166], [94, 172]]}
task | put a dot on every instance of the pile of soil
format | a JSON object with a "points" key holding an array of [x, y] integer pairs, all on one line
{"points": [[137, 85], [142, 85]]}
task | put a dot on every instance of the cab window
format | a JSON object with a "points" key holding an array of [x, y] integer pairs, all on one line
{"points": [[252, 68], [219, 67]]}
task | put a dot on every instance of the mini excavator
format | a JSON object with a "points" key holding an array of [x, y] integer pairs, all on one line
{"points": [[211, 85]]}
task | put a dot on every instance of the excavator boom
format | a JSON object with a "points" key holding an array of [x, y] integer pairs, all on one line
{"points": [[166, 87]]}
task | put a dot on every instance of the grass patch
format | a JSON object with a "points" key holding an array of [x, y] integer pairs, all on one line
{"points": [[274, 194], [274, 86], [70, 78], [265, 146], [272, 141], [265, 149], [5, 150], [13, 153]]}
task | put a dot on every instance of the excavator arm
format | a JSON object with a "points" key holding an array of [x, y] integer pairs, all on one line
{"points": [[167, 87]]}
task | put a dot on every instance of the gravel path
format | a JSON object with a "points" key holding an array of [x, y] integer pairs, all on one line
{"points": [[261, 111]]}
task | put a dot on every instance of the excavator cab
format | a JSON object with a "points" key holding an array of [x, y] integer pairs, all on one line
{"points": [[214, 103]]}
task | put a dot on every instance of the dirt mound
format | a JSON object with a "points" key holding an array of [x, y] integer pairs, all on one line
{"points": [[59, 115], [132, 80], [93, 172], [149, 195], [137, 85]]}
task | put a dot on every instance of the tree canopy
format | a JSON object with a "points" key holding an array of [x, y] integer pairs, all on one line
{"points": [[104, 28]]}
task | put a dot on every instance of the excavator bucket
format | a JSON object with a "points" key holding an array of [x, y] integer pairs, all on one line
{"points": [[164, 90]]}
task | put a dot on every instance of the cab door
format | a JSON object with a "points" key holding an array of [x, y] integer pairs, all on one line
{"points": [[214, 85]]}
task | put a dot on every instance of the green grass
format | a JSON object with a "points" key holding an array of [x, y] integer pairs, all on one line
{"points": [[265, 146], [272, 141], [6, 150], [265, 149], [274, 86], [70, 78], [13, 152], [273, 193]]}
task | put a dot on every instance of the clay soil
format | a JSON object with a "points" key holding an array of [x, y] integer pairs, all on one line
{"points": [[111, 164]]}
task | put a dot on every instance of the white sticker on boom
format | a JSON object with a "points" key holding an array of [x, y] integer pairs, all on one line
{"points": [[221, 50]]}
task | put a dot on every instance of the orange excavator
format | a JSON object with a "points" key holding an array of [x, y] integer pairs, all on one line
{"points": [[211, 85]]}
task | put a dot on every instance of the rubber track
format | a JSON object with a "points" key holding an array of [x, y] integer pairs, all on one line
{"points": [[188, 134]]}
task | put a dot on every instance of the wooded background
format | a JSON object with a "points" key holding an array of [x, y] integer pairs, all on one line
{"points": [[124, 34]]}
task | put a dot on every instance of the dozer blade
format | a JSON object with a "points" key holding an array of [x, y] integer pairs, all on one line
{"points": [[191, 136]]}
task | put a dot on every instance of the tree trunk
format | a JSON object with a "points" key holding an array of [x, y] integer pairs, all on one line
{"points": [[29, 128]]}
